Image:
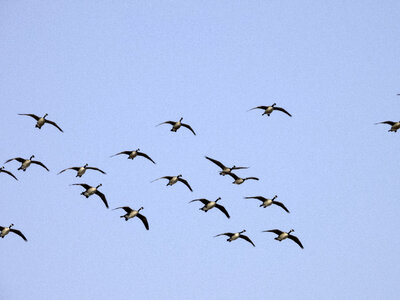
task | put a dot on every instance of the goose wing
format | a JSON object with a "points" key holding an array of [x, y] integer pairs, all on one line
{"points": [[146, 156], [260, 107], [19, 233], [246, 238], [84, 185], [144, 220], [253, 178], [282, 110], [188, 127], [31, 115], [20, 159], [54, 124], [9, 173], [127, 209], [233, 175], [40, 164], [226, 233], [97, 169], [238, 168], [73, 168], [281, 205], [167, 122], [296, 240], [164, 177], [387, 122], [101, 195], [202, 200], [184, 181], [221, 208], [1, 228], [218, 163], [276, 231], [123, 152], [256, 197]]}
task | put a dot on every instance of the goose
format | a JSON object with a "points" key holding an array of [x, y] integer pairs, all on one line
{"points": [[269, 109], [235, 236], [25, 163], [211, 204], [7, 172], [131, 213], [90, 190], [239, 180], [174, 179], [41, 120], [225, 170], [6, 230], [267, 202], [177, 125], [285, 235], [82, 170], [132, 154], [395, 125]]}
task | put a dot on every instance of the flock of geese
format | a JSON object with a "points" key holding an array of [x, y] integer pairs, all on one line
{"points": [[131, 154]]}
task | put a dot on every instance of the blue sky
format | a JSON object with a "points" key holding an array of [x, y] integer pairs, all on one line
{"points": [[109, 71]]}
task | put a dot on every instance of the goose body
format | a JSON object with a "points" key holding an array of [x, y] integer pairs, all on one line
{"points": [[174, 179], [133, 153], [235, 236], [82, 170], [285, 235], [211, 204], [131, 213], [269, 109], [40, 121], [268, 202], [176, 125], [394, 125], [239, 180], [6, 230], [91, 190], [25, 163]]}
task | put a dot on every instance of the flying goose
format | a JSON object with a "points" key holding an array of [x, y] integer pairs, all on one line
{"points": [[210, 204], [132, 154], [7, 172], [131, 213], [41, 120], [174, 179], [90, 190], [6, 230], [82, 170], [25, 163], [395, 125], [269, 109], [267, 202], [234, 236], [225, 170], [284, 235], [239, 180], [177, 125]]}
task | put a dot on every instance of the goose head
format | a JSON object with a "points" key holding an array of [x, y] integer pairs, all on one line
{"points": [[45, 115], [140, 208], [85, 165], [244, 230], [2, 168], [273, 105], [137, 150], [219, 198], [276, 196], [180, 120], [31, 157], [180, 175], [291, 230], [11, 226], [98, 186]]}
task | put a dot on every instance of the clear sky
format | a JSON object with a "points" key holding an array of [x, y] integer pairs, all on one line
{"points": [[109, 71]]}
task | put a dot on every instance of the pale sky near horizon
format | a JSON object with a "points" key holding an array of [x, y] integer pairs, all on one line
{"points": [[109, 71]]}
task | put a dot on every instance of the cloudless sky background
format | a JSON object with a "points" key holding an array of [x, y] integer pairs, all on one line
{"points": [[109, 71]]}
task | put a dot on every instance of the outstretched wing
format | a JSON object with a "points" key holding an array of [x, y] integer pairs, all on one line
{"points": [[40, 164], [31, 115], [238, 168], [73, 168], [202, 200], [256, 197], [233, 175], [97, 169], [253, 178], [164, 177], [221, 208], [54, 124], [20, 159], [387, 122], [246, 238], [185, 183], [9, 173], [146, 156], [144, 220], [226, 233], [218, 163], [188, 127], [296, 240], [19, 233], [260, 107], [281, 205], [276, 231], [101, 195], [123, 152], [127, 209], [84, 185], [167, 122], [282, 110]]}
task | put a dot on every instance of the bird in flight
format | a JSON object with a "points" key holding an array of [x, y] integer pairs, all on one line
{"points": [[42, 120], [177, 125], [269, 109]]}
